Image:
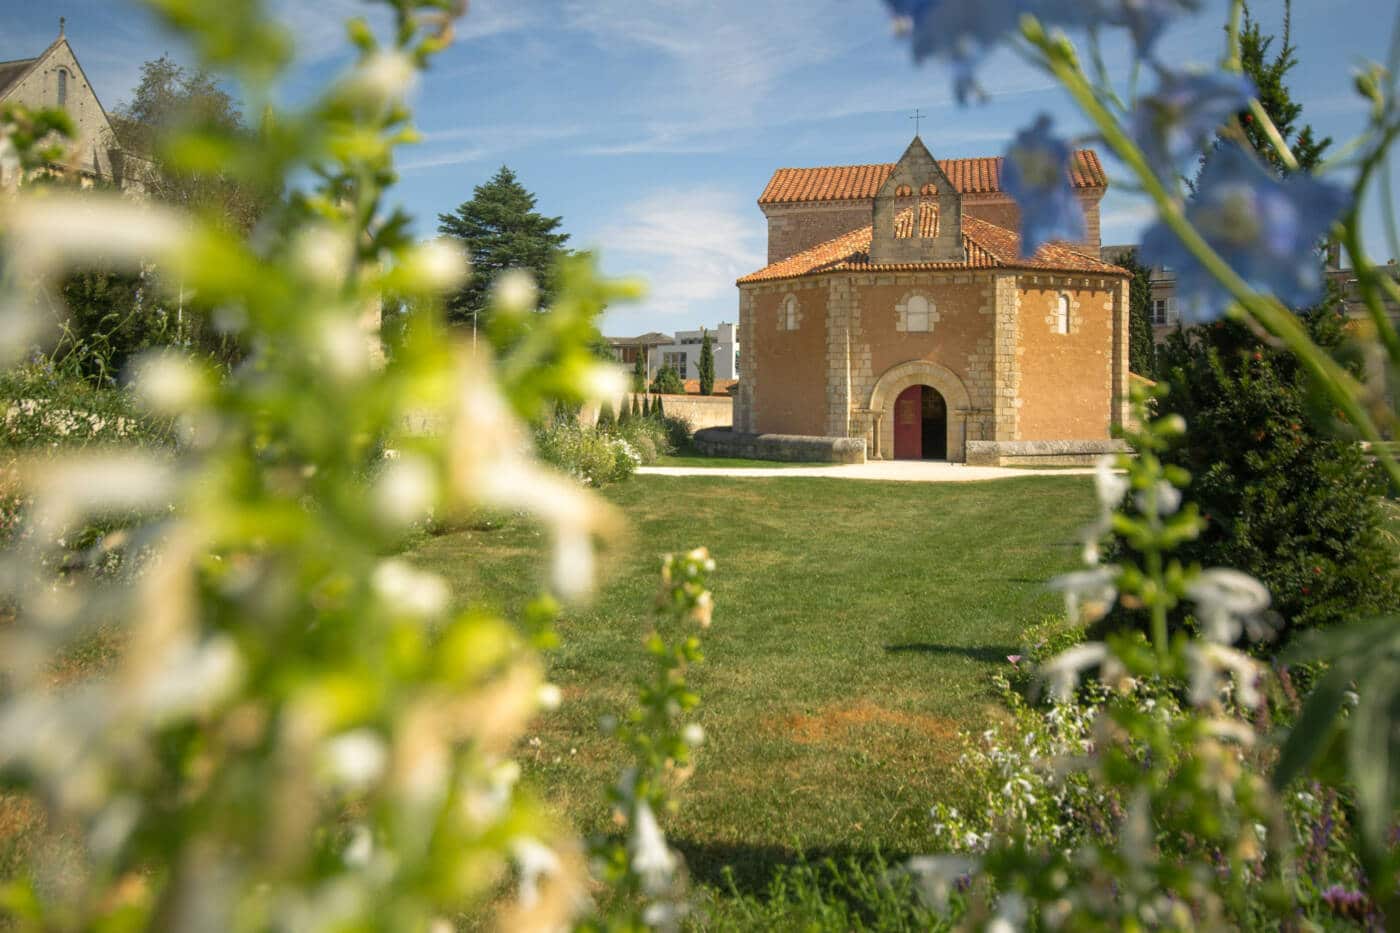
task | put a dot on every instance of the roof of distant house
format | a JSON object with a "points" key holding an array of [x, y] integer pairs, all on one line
{"points": [[987, 246], [862, 182], [653, 339], [11, 72]]}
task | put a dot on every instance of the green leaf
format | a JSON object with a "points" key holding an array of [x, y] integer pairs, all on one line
{"points": [[1368, 752], [1315, 727]]}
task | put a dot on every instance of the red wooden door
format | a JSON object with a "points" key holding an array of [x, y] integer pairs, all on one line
{"points": [[908, 424]]}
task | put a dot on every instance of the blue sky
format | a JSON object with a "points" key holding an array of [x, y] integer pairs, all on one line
{"points": [[651, 126]]}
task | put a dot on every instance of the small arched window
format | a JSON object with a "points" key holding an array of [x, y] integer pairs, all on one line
{"points": [[63, 87], [787, 314], [929, 189], [904, 191], [1062, 314], [916, 314]]}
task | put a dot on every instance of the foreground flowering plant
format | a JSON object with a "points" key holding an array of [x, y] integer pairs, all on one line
{"points": [[1243, 238], [296, 731]]}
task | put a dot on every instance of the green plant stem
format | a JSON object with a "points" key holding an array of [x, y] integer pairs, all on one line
{"points": [[1266, 122], [1274, 318], [1232, 61]]}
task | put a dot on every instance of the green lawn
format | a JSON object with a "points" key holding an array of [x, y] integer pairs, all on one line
{"points": [[855, 629]]}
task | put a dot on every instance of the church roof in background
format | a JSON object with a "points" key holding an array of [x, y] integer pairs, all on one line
{"points": [[987, 245], [862, 182], [11, 72]]}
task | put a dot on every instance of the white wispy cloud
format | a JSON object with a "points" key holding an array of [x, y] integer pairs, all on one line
{"points": [[318, 26], [480, 142], [691, 244]]}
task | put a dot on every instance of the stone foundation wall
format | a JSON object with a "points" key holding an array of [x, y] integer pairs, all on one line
{"points": [[1040, 453], [720, 442]]}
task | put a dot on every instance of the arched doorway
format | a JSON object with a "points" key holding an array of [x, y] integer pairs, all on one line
{"points": [[920, 424]]}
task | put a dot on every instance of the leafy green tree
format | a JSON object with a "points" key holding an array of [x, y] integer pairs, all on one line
{"points": [[1142, 351], [172, 98], [501, 230], [667, 382], [1286, 499], [707, 366]]}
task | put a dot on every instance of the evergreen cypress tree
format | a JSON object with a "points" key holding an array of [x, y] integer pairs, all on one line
{"points": [[646, 407], [639, 371], [606, 421], [706, 366], [636, 408], [1269, 74], [1142, 352], [624, 413], [658, 412]]}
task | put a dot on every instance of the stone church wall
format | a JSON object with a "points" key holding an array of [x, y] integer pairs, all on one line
{"points": [[1002, 211], [1068, 381], [40, 89], [793, 228], [785, 369]]}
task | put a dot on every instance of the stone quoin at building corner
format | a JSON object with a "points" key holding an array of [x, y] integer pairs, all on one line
{"points": [[896, 309]]}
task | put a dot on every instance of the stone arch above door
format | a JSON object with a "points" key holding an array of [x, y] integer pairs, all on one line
{"points": [[917, 373]]}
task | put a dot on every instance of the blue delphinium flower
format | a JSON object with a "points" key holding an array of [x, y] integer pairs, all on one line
{"points": [[1035, 175], [1145, 19], [1267, 228], [959, 31], [1179, 119]]}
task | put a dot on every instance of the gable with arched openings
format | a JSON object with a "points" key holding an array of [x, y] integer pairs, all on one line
{"points": [[910, 228]]}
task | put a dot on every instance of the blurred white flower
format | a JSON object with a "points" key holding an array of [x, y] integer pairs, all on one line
{"points": [[1089, 594], [935, 876], [515, 292], [384, 77], [410, 590], [355, 759], [52, 229], [550, 696], [1210, 661], [606, 382], [1061, 673], [192, 680], [1224, 598], [343, 348], [694, 734], [1110, 483], [405, 492], [1011, 914], [77, 487], [439, 264], [323, 254], [1168, 499], [534, 859], [652, 860], [168, 383], [360, 848]]}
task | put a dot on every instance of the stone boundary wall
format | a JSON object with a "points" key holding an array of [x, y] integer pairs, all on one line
{"points": [[702, 411], [1040, 453], [721, 442]]}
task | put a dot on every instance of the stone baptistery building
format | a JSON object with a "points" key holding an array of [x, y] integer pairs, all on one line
{"points": [[896, 308]]}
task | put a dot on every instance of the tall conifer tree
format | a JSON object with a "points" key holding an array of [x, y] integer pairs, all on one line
{"points": [[706, 366], [501, 230]]}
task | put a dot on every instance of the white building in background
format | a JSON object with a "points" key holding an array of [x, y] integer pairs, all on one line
{"points": [[682, 352]]}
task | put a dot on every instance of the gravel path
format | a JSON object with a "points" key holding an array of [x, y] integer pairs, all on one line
{"points": [[899, 471]]}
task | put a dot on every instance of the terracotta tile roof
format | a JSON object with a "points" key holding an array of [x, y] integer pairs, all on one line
{"points": [[862, 182], [723, 387], [988, 247]]}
